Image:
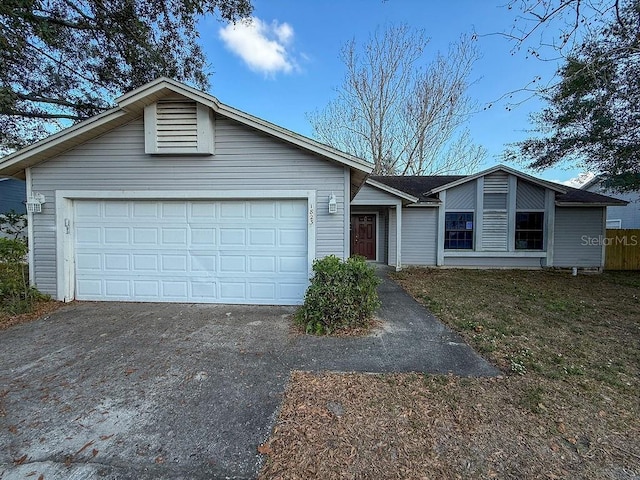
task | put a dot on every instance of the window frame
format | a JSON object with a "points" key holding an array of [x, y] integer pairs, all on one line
{"points": [[472, 231], [542, 230]]}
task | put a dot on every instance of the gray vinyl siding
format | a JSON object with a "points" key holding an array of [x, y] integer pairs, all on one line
{"points": [[494, 262], [13, 194], [529, 196], [573, 227], [368, 195], [245, 159], [419, 236], [462, 197], [629, 214]]}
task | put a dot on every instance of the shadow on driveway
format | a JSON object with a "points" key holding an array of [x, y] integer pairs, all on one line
{"points": [[133, 390]]}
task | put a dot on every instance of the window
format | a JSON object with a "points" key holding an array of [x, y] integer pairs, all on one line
{"points": [[529, 230], [458, 231]]}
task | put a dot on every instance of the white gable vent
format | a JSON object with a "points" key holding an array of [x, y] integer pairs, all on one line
{"points": [[178, 126]]}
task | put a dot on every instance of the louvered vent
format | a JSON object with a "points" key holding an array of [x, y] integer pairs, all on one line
{"points": [[177, 126], [496, 183], [494, 231]]}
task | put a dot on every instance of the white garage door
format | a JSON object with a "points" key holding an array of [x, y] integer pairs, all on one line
{"points": [[191, 251]]}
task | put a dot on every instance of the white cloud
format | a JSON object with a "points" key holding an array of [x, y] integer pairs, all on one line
{"points": [[262, 46], [578, 181]]}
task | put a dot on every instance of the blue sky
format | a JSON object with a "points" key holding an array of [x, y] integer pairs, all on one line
{"points": [[287, 64]]}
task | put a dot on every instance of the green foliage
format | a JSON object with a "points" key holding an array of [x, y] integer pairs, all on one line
{"points": [[593, 115], [15, 293], [13, 224], [342, 295], [60, 59]]}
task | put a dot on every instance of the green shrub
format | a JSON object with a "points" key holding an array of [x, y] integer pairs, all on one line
{"points": [[342, 295], [16, 295]]}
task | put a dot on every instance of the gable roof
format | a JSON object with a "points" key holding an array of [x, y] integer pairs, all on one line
{"points": [[426, 188], [502, 168], [131, 106]]}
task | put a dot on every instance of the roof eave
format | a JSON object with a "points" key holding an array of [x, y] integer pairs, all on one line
{"points": [[560, 203], [33, 150]]}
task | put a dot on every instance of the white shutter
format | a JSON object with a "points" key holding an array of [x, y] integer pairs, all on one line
{"points": [[494, 231]]}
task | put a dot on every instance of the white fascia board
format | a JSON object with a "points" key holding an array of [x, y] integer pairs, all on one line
{"points": [[504, 168], [423, 204], [391, 190]]}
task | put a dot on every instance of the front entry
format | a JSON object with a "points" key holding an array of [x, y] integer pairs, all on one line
{"points": [[363, 235]]}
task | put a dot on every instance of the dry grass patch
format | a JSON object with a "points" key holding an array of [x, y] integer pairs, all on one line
{"points": [[39, 310], [567, 407]]}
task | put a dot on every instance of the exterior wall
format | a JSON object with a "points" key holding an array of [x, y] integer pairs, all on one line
{"points": [[629, 215], [493, 262], [13, 194], [245, 159], [574, 227], [462, 197], [529, 196], [419, 236], [495, 201]]}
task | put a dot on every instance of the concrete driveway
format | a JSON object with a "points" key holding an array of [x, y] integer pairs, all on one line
{"points": [[115, 390]]}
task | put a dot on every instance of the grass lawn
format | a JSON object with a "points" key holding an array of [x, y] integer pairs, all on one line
{"points": [[567, 406]]}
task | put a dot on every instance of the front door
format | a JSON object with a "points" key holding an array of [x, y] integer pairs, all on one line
{"points": [[363, 235]]}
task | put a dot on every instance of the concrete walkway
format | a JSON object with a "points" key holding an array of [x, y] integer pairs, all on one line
{"points": [[133, 390]]}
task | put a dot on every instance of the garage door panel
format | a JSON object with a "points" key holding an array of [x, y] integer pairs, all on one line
{"points": [[145, 236], [191, 251], [145, 210], [174, 237], [117, 210], [234, 237], [203, 236], [116, 236]]}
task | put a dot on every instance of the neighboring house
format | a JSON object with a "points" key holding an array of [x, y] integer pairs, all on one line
{"points": [[496, 218], [618, 216], [173, 196], [13, 195]]}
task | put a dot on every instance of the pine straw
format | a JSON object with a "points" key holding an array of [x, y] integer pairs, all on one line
{"points": [[567, 407], [40, 309], [412, 426]]}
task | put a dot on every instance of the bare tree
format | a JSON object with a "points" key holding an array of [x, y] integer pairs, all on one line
{"points": [[404, 114]]}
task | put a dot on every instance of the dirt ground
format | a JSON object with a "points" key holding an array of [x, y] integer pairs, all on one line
{"points": [[566, 407]]}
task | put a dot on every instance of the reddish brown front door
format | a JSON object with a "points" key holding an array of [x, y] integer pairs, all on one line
{"points": [[363, 236]]}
